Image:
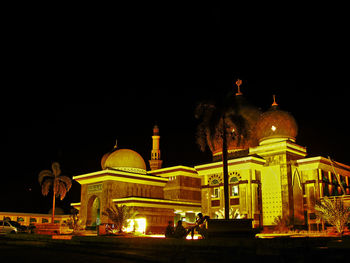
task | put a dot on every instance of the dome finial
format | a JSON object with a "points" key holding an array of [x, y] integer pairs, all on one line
{"points": [[155, 130], [239, 83], [274, 101], [116, 144]]}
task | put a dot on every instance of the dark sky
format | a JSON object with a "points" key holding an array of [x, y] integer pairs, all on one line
{"points": [[76, 82]]}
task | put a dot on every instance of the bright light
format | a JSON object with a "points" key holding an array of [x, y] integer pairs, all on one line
{"points": [[130, 226], [273, 128], [196, 236], [138, 225], [141, 225]]}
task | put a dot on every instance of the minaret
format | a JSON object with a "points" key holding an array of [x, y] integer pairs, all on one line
{"points": [[155, 162]]}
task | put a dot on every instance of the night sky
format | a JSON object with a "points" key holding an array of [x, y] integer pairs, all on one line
{"points": [[77, 82]]}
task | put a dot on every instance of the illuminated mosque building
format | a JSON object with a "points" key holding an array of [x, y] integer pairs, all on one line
{"points": [[269, 177]]}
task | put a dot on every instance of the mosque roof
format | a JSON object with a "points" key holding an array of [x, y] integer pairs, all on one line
{"points": [[124, 159], [276, 124]]}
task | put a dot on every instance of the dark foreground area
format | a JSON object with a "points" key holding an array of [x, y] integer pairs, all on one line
{"points": [[37, 248]]}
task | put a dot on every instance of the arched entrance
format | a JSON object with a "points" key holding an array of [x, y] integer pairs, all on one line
{"points": [[94, 211]]}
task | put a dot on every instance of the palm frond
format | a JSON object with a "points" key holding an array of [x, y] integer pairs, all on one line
{"points": [[62, 190], [201, 137], [334, 212], [62, 186], [45, 187], [66, 180], [120, 215], [43, 174], [56, 169]]}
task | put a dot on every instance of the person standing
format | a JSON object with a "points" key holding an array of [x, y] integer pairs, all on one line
{"points": [[170, 231]]}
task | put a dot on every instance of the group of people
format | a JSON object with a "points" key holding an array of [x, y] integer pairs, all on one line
{"points": [[180, 232]]}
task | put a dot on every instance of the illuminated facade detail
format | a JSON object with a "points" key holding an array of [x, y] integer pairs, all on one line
{"points": [[269, 177], [215, 179], [244, 183]]}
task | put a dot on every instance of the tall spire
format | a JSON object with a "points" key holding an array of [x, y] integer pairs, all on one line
{"points": [[155, 162], [239, 83]]}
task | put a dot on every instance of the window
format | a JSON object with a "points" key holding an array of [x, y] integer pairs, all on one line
{"points": [[325, 177], [234, 190], [325, 189], [334, 179], [234, 186], [216, 192]]}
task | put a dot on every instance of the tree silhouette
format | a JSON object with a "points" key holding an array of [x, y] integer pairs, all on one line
{"points": [[60, 184]]}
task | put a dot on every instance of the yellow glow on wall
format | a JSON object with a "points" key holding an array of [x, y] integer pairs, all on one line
{"points": [[271, 194]]}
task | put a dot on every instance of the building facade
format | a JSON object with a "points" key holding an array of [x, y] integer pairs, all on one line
{"points": [[27, 219], [270, 177]]}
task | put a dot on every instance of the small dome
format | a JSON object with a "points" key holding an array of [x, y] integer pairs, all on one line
{"points": [[276, 125], [124, 159]]}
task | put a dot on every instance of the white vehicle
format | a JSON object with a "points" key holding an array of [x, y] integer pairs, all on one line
{"points": [[7, 228]]}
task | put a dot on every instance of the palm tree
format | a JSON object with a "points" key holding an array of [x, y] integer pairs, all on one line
{"points": [[229, 122], [334, 212], [211, 131], [60, 184], [120, 215]]}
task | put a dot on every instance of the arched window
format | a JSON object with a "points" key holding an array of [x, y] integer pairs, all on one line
{"points": [[234, 186], [233, 180], [215, 182]]}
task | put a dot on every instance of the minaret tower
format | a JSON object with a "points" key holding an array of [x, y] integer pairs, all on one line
{"points": [[155, 162]]}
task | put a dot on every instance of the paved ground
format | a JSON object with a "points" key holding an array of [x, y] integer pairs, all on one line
{"points": [[104, 249], [39, 255]]}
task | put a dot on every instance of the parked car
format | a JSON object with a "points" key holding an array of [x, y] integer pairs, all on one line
{"points": [[20, 228], [7, 228]]}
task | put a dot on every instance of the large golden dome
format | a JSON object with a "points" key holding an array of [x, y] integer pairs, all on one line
{"points": [[276, 125], [124, 159]]}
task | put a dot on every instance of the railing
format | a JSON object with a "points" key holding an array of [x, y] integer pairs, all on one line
{"points": [[52, 229]]}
